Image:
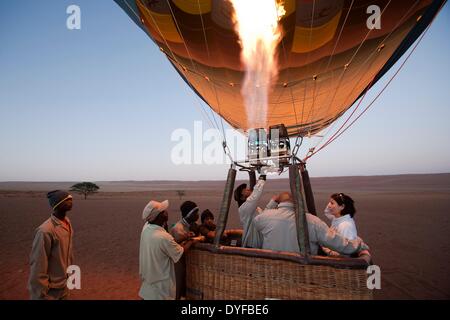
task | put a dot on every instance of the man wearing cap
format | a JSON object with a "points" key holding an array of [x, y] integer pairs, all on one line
{"points": [[51, 253], [247, 201], [157, 254]]}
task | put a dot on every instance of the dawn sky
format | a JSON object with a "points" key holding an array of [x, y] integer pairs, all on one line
{"points": [[101, 103]]}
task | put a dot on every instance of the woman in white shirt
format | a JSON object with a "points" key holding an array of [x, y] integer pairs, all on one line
{"points": [[340, 211]]}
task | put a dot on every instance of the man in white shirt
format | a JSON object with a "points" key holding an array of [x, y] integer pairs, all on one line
{"points": [[157, 254], [248, 209], [279, 231]]}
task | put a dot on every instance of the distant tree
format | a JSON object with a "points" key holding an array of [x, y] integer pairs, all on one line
{"points": [[85, 188], [181, 193]]}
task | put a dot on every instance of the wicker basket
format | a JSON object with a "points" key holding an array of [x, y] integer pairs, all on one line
{"points": [[228, 273]]}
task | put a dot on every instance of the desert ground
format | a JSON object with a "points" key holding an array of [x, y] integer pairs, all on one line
{"points": [[405, 219]]}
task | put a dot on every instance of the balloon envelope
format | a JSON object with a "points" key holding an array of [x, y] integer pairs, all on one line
{"points": [[332, 51]]}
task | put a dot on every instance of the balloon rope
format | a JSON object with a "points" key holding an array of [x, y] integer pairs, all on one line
{"points": [[132, 10], [332, 53], [173, 58], [189, 54], [365, 67], [338, 39], [288, 71], [368, 33], [213, 83], [378, 95], [341, 77], [307, 58]]}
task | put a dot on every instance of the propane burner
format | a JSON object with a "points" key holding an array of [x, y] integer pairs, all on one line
{"points": [[270, 150]]}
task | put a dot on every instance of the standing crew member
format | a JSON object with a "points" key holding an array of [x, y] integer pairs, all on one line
{"points": [[51, 253], [157, 254]]}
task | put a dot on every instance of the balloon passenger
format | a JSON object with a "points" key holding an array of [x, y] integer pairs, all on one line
{"points": [[52, 251], [158, 252], [248, 209], [340, 211], [278, 229], [186, 227], [208, 227], [182, 231]]}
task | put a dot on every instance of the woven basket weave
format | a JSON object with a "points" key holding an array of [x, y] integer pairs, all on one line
{"points": [[228, 273]]}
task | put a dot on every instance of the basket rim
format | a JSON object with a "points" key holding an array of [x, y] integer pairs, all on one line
{"points": [[361, 262]]}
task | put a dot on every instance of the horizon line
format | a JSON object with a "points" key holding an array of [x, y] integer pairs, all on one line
{"points": [[218, 180]]}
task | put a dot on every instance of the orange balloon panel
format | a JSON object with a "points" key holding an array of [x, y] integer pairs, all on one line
{"points": [[327, 59]]}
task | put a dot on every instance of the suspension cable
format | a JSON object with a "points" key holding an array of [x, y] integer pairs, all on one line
{"points": [[174, 58], [361, 67], [188, 52], [377, 96], [307, 57], [209, 57], [341, 77]]}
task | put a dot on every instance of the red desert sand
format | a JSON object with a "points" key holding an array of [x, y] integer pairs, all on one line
{"points": [[405, 220]]}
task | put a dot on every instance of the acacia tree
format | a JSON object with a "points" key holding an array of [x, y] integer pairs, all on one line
{"points": [[85, 188], [181, 193]]}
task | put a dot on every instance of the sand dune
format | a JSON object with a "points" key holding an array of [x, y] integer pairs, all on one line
{"points": [[404, 218]]}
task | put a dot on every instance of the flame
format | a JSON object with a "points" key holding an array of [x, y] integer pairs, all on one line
{"points": [[256, 22]]}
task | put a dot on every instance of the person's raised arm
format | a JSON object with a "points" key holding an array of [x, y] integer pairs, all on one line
{"points": [[252, 201]]}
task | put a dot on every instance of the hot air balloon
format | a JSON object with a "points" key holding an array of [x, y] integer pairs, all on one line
{"points": [[329, 54]]}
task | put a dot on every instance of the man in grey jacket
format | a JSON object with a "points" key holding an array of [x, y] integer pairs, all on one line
{"points": [[51, 253], [278, 229], [248, 209]]}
